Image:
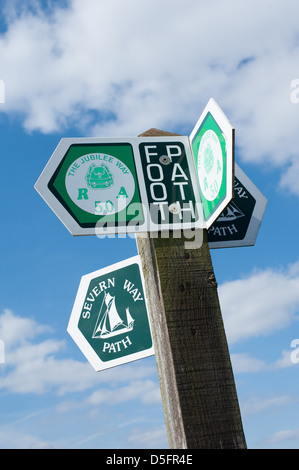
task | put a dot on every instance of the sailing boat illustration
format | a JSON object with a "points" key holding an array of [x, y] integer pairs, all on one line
{"points": [[109, 322], [231, 212]]}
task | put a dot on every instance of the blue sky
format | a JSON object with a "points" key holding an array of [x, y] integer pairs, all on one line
{"points": [[115, 69]]}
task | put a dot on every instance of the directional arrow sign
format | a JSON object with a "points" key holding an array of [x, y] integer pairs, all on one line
{"points": [[98, 186], [239, 223], [109, 321], [212, 142]]}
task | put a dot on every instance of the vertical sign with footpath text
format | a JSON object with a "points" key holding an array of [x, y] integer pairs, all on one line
{"points": [[171, 187]]}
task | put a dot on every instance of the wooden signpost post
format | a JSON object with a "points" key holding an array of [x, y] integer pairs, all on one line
{"points": [[196, 379]]}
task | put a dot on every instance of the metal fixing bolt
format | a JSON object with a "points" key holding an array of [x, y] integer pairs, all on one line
{"points": [[164, 159], [174, 208]]}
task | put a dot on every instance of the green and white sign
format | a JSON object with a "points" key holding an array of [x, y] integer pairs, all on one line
{"points": [[97, 174], [212, 142], [89, 181], [100, 186], [171, 187], [109, 321], [239, 223]]}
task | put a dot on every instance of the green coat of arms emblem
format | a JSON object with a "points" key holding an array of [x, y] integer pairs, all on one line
{"points": [[99, 177]]}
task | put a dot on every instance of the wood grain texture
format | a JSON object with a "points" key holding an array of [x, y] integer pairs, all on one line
{"points": [[196, 379]]}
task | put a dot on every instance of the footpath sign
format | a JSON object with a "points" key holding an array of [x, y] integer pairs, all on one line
{"points": [[109, 321], [212, 142], [239, 223], [100, 186], [171, 186]]}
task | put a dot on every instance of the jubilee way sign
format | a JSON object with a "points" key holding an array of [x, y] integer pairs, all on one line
{"points": [[97, 185], [239, 223], [109, 321], [212, 142]]}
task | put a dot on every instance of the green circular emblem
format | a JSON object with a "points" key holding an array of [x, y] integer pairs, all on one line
{"points": [[210, 165], [100, 184], [99, 177]]}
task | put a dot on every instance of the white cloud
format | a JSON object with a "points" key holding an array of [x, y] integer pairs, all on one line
{"points": [[85, 65], [33, 365], [257, 404], [285, 360], [260, 303], [284, 435], [146, 390], [243, 362], [151, 438], [289, 179], [23, 440], [17, 330]]}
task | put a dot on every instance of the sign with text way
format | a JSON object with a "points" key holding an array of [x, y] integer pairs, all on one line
{"points": [[212, 142], [143, 184], [239, 223], [109, 321]]}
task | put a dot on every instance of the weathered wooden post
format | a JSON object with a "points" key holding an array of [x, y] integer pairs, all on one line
{"points": [[196, 379]]}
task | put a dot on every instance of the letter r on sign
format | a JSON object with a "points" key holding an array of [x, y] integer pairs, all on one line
{"points": [[82, 193]]}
